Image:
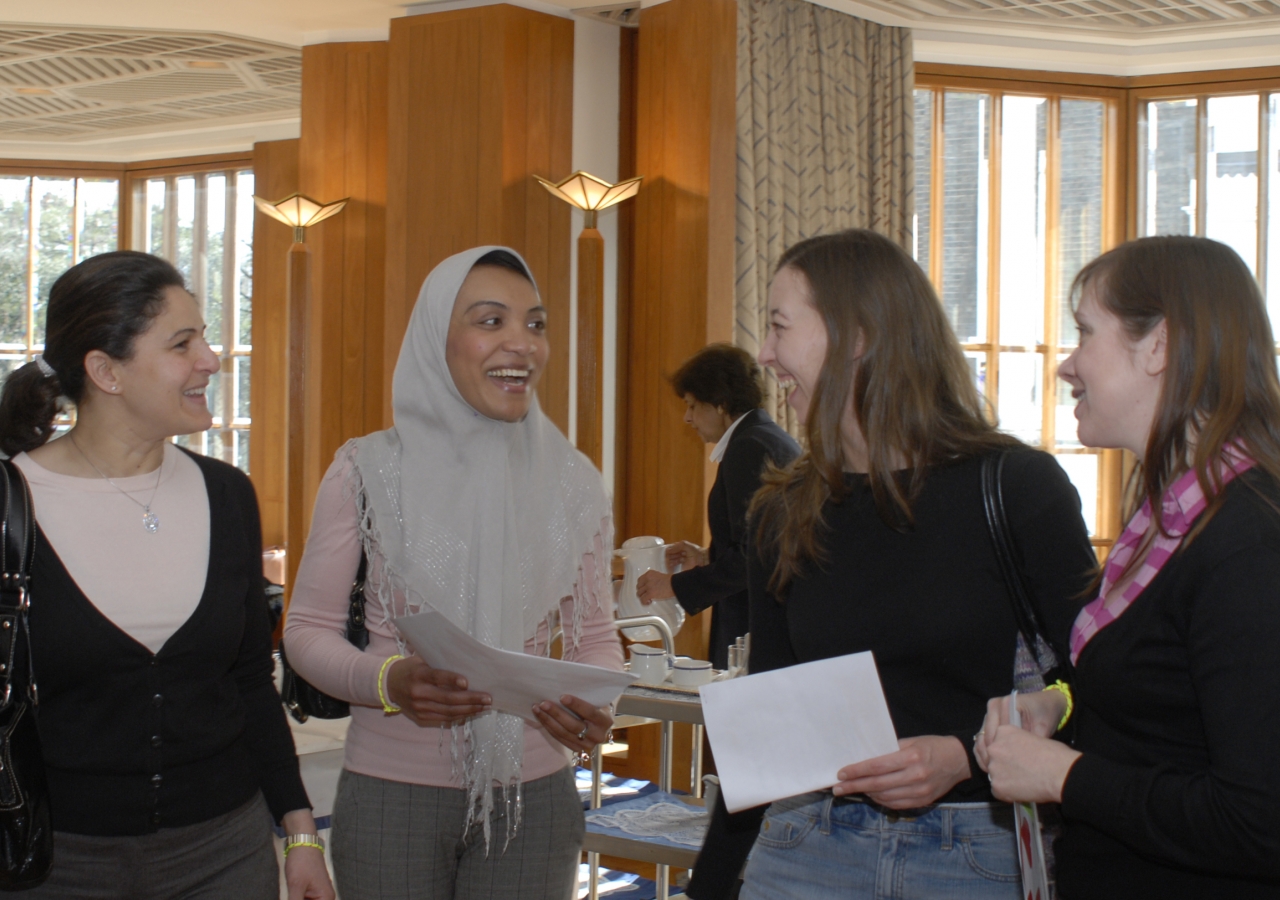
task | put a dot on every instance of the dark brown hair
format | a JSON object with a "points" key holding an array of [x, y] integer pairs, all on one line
{"points": [[911, 391], [1220, 385], [723, 376], [103, 303]]}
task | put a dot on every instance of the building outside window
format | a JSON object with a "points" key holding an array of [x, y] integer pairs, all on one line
{"points": [[1210, 166]]}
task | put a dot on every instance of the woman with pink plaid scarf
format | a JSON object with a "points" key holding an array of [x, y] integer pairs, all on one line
{"points": [[1167, 742]]}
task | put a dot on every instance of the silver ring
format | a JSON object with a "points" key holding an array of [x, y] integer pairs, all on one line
{"points": [[583, 733]]}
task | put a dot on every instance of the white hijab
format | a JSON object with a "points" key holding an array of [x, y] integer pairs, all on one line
{"points": [[483, 521]]}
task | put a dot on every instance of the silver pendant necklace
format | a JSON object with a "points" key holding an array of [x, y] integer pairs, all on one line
{"points": [[150, 521]]}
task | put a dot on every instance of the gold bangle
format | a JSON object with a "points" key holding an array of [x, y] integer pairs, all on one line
{"points": [[288, 847], [387, 706], [1065, 690]]}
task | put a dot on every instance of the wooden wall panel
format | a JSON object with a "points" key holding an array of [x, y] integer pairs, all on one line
{"points": [[682, 291], [343, 153], [480, 100], [681, 295], [275, 172]]}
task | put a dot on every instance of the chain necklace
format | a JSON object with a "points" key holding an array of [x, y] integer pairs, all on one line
{"points": [[150, 520]]}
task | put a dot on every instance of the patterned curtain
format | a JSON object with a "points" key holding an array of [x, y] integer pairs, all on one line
{"points": [[825, 141]]}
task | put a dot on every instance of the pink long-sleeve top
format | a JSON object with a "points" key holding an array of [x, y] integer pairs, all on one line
{"points": [[393, 747]]}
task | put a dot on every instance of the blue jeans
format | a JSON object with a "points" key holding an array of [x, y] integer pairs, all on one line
{"points": [[811, 848]]}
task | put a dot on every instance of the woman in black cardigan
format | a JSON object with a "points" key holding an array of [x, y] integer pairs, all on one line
{"points": [[1170, 787], [165, 743]]}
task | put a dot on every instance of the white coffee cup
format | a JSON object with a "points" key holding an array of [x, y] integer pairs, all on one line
{"points": [[649, 664], [691, 672]]}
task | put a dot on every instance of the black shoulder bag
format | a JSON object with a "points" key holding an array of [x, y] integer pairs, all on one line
{"points": [[26, 828], [304, 700], [1038, 660]]}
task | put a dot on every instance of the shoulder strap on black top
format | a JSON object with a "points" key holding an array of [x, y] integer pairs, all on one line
{"points": [[17, 551], [1048, 655]]}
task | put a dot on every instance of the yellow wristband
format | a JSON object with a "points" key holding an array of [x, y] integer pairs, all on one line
{"points": [[387, 706], [1065, 690], [288, 847]]}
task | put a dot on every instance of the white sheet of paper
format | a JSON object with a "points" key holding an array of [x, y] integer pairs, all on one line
{"points": [[516, 681], [789, 731]]}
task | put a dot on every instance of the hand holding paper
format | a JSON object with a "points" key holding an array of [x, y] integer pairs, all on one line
{"points": [[515, 681], [786, 732]]}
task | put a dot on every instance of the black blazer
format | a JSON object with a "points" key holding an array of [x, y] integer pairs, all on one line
{"points": [[723, 582], [135, 741]]}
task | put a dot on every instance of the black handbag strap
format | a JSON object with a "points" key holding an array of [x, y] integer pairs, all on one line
{"points": [[18, 550], [1047, 653]]}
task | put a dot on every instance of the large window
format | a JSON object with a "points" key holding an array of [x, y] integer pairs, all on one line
{"points": [[1210, 165], [1014, 194], [203, 224], [47, 224]]}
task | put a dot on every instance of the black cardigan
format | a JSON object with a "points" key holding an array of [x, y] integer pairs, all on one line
{"points": [[135, 741], [1178, 716], [722, 583], [930, 601]]}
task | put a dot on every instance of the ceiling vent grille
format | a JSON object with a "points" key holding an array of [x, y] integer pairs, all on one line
{"points": [[89, 83], [1122, 16]]}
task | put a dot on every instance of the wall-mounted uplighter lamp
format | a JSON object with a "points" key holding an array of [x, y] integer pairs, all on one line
{"points": [[300, 213], [591, 194]]}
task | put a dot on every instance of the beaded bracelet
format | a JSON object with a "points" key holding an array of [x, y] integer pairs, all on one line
{"points": [[1065, 690], [302, 840], [387, 706]]}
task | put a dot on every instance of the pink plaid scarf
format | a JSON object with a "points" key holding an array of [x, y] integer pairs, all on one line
{"points": [[1182, 504]]}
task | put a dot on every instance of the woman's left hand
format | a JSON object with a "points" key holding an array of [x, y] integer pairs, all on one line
{"points": [[1027, 768], [305, 873], [924, 769], [654, 585], [579, 727]]}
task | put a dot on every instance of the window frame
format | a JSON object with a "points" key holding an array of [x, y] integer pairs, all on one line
{"points": [[1116, 134], [72, 170], [1122, 180], [134, 189]]}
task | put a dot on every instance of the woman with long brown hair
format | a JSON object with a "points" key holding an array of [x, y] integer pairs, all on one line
{"points": [[875, 539], [1170, 785]]}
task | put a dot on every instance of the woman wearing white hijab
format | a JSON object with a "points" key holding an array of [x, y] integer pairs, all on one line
{"points": [[473, 504]]}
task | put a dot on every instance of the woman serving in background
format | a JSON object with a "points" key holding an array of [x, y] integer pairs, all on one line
{"points": [[720, 385]]}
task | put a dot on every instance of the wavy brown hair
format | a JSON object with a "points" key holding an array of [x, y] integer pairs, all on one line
{"points": [[911, 391], [1220, 385]]}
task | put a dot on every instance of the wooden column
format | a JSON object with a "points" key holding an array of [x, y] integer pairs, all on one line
{"points": [[480, 100], [682, 287], [682, 292], [275, 172], [590, 439], [342, 153]]}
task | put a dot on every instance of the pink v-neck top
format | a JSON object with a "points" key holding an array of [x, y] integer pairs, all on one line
{"points": [[146, 583], [393, 747]]}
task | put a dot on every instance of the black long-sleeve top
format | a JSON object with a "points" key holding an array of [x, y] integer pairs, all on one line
{"points": [[135, 741], [722, 583], [930, 601], [1177, 794]]}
